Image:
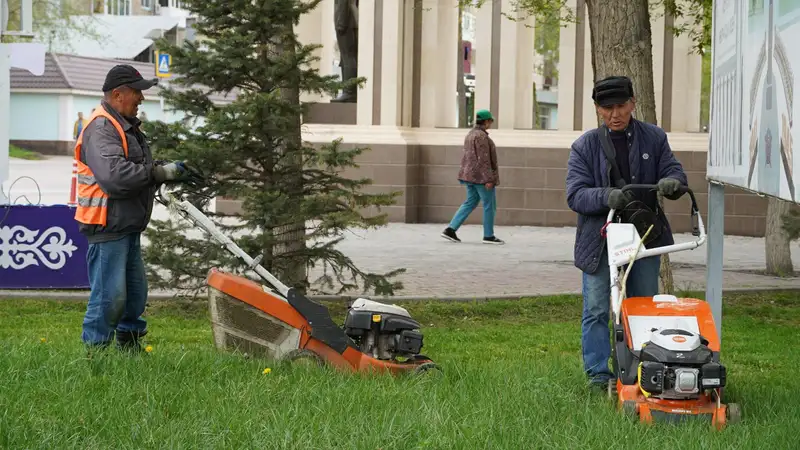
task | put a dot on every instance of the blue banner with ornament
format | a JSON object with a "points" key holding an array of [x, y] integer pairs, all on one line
{"points": [[41, 248]]}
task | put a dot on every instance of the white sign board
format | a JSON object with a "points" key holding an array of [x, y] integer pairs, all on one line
{"points": [[752, 107]]}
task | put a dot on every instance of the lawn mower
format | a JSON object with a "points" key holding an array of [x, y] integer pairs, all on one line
{"points": [[665, 350], [282, 324]]}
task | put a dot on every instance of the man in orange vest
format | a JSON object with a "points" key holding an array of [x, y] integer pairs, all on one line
{"points": [[117, 181]]}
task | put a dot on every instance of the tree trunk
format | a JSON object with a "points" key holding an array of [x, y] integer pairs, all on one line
{"points": [[622, 45], [289, 250], [778, 249]]}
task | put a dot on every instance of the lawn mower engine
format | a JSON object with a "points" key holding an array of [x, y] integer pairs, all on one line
{"points": [[383, 331], [678, 365]]}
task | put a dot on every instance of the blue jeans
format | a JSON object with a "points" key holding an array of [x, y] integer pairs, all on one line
{"points": [[595, 332], [118, 291], [476, 193]]}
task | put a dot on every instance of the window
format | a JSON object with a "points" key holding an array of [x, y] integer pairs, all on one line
{"points": [[147, 4], [170, 3], [117, 7], [544, 118]]}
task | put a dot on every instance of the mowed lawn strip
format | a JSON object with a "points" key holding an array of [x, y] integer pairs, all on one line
{"points": [[512, 379]]}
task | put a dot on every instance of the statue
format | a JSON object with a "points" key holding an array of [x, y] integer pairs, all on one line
{"points": [[345, 18]]}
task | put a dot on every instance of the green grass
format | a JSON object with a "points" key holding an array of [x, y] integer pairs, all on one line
{"points": [[512, 379], [21, 153]]}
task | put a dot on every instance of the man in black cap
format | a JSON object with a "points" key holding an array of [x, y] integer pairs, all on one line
{"points": [[621, 151], [117, 180]]}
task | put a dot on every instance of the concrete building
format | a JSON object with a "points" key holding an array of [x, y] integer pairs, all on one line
{"points": [[407, 112], [44, 108], [416, 44], [121, 29]]}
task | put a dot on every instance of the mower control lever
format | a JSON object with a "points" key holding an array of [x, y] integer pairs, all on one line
{"points": [[682, 189], [694, 213]]}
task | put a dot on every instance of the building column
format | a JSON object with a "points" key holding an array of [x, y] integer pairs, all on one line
{"points": [[486, 52], [386, 38], [515, 74], [370, 34], [329, 55], [438, 60], [309, 33], [574, 73], [67, 117], [683, 108]]}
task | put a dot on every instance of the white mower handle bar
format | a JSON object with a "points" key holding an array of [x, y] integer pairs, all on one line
{"points": [[700, 229], [198, 218], [617, 294]]}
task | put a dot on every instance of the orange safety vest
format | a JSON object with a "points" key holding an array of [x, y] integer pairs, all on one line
{"points": [[92, 200]]}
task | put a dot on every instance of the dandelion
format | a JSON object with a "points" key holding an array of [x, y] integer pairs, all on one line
{"points": [[266, 371], [42, 340], [148, 349]]}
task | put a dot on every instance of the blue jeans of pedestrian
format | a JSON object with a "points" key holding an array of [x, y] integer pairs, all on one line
{"points": [[643, 281], [477, 193], [118, 290]]}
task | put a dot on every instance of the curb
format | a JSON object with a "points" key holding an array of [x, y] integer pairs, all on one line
{"points": [[83, 296]]}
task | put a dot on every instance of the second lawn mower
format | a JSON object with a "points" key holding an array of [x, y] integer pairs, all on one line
{"points": [[280, 323], [665, 349]]}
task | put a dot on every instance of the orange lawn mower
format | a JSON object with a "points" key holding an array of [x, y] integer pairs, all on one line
{"points": [[280, 323], [665, 350]]}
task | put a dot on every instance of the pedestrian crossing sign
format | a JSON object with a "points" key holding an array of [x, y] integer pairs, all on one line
{"points": [[163, 61]]}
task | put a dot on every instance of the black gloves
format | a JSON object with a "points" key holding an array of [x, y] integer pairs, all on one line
{"points": [[617, 199], [670, 188]]}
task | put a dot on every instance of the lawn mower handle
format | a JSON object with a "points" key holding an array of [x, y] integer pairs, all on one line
{"points": [[682, 189], [617, 290], [194, 215], [698, 228]]}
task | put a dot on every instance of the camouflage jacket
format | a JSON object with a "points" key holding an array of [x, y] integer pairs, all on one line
{"points": [[479, 160]]}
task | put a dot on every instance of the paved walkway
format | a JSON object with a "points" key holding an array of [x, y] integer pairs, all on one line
{"points": [[535, 260]]}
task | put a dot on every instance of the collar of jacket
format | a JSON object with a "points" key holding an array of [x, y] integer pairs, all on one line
{"points": [[126, 122], [629, 130], [480, 128], [634, 153]]}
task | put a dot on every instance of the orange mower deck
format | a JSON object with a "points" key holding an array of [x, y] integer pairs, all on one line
{"points": [[636, 403], [311, 345]]}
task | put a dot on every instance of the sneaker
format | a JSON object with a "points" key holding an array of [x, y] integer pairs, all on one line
{"points": [[493, 240], [450, 234]]}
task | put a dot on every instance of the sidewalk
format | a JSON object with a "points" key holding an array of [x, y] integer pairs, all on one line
{"points": [[534, 261]]}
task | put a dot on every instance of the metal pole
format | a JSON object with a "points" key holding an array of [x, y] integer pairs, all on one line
{"points": [[716, 234], [5, 108]]}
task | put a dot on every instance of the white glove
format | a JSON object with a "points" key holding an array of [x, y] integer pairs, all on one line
{"points": [[167, 172]]}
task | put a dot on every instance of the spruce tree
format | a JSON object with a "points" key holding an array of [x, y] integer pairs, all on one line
{"points": [[296, 202]]}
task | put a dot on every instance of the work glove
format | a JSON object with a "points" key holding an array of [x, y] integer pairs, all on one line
{"points": [[669, 188], [169, 172], [617, 199]]}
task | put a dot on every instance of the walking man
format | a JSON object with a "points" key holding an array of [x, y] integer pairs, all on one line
{"points": [[480, 175], [117, 181]]}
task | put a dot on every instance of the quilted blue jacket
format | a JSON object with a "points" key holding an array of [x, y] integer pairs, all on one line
{"points": [[588, 185]]}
